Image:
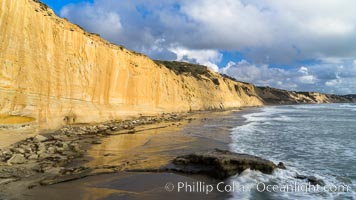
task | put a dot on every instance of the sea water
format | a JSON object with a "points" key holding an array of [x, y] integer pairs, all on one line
{"points": [[311, 140]]}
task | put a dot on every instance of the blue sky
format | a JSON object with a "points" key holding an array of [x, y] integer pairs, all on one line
{"points": [[304, 45], [57, 5]]}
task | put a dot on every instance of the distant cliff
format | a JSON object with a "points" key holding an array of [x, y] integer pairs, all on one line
{"points": [[53, 73], [351, 97], [273, 96]]}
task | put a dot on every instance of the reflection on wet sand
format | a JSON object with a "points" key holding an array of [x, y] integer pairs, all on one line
{"points": [[151, 148], [125, 185], [147, 149]]}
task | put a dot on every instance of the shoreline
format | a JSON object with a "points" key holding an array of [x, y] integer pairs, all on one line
{"points": [[93, 150], [63, 156]]}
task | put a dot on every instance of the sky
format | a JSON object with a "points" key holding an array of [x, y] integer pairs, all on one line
{"points": [[304, 45]]}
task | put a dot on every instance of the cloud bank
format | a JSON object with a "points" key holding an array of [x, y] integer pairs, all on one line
{"points": [[266, 32], [321, 77]]}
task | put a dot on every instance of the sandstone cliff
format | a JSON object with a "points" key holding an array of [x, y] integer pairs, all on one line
{"points": [[56, 73], [53, 72]]}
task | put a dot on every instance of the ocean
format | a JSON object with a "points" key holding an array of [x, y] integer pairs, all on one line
{"points": [[312, 140]]}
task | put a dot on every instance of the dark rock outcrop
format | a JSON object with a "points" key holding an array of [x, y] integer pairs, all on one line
{"points": [[220, 163], [311, 179], [281, 165]]}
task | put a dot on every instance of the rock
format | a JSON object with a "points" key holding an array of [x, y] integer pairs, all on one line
{"points": [[17, 159], [40, 138], [281, 165], [75, 147], [28, 150], [113, 128], [19, 150], [41, 148], [102, 127], [33, 157], [54, 171], [60, 150], [6, 155], [80, 132], [311, 179], [132, 131], [51, 150], [58, 137], [64, 145], [36, 167], [44, 155], [96, 142], [7, 180], [221, 164], [55, 158]]}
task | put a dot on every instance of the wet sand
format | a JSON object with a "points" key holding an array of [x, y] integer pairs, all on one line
{"points": [[151, 148], [125, 185], [147, 149]]}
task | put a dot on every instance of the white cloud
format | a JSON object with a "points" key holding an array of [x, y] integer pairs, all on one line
{"points": [[96, 20], [261, 75], [228, 24], [277, 32], [303, 70], [332, 83], [204, 57], [105, 22], [324, 78], [330, 26], [307, 79]]}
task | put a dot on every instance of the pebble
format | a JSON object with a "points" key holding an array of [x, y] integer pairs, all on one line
{"points": [[40, 138], [17, 159]]}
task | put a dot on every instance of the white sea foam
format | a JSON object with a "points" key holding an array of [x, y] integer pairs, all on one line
{"points": [[308, 107], [269, 114], [248, 179], [263, 129], [251, 179], [347, 105]]}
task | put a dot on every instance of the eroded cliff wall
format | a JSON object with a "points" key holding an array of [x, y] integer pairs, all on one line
{"points": [[55, 73]]}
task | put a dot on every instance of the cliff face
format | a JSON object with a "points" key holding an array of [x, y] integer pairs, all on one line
{"points": [[55, 73], [273, 96]]}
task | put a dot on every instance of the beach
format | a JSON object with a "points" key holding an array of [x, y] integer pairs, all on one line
{"points": [[125, 163], [119, 160]]}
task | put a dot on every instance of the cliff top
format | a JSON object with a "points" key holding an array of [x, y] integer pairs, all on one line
{"points": [[66, 24]]}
